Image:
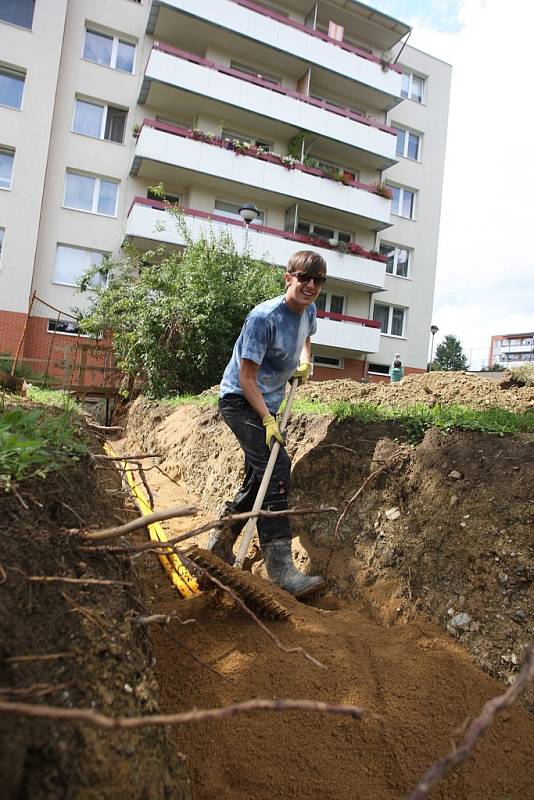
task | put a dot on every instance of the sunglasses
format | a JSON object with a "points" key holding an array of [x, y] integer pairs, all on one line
{"points": [[303, 277]]}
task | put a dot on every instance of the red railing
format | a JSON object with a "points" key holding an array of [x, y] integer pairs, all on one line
{"points": [[267, 12], [274, 87], [260, 154], [294, 237], [367, 323]]}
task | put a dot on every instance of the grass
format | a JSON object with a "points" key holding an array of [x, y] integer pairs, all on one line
{"points": [[414, 420], [53, 397], [36, 441]]}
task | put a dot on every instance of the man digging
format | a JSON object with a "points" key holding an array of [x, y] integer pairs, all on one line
{"points": [[275, 337]]}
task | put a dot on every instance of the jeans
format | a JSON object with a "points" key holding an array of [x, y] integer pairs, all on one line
{"points": [[250, 433]]}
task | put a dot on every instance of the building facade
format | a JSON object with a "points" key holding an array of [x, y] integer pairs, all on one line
{"points": [[511, 349], [324, 119]]}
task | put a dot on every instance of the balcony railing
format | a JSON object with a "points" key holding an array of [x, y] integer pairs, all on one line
{"points": [[278, 88], [251, 151], [267, 12], [367, 323], [356, 251]]}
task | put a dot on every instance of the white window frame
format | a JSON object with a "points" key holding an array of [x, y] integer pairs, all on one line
{"points": [[247, 138], [64, 333], [397, 249], [116, 39], [407, 132], [2, 242], [403, 189], [105, 107], [21, 73], [340, 361], [260, 220], [96, 193], [103, 253], [390, 308], [312, 225], [382, 374], [240, 66], [10, 151], [328, 302], [411, 76]]}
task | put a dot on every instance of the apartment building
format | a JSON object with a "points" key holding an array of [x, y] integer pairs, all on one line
{"points": [[511, 349], [319, 114]]}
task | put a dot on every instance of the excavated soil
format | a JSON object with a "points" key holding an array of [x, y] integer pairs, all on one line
{"points": [[429, 603], [96, 657]]}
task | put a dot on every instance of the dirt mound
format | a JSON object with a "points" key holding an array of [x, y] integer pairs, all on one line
{"points": [[429, 388], [98, 658], [416, 681]]}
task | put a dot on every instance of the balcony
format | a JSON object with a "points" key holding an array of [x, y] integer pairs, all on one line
{"points": [[266, 27], [199, 157], [347, 333], [225, 86], [148, 221]]}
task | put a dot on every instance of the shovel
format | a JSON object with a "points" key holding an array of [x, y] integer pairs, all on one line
{"points": [[250, 527]]}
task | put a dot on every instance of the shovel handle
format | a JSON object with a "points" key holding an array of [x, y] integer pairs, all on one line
{"points": [[250, 527]]}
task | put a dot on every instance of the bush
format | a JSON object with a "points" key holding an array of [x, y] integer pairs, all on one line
{"points": [[523, 374], [175, 316]]}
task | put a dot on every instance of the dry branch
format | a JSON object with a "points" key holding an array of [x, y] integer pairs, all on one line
{"points": [[227, 712], [135, 457], [145, 484], [477, 729], [88, 581], [141, 522], [44, 657], [385, 466], [105, 427], [162, 619]]}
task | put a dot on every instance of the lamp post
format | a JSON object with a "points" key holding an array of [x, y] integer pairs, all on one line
{"points": [[433, 330], [248, 213]]}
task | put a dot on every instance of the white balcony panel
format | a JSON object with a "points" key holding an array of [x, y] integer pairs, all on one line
{"points": [[273, 33], [514, 348], [347, 336], [207, 159], [149, 223], [203, 81]]}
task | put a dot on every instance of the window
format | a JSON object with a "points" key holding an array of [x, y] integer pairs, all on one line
{"points": [[413, 87], [6, 167], [109, 50], [73, 262], [67, 327], [243, 137], [253, 71], [11, 87], [100, 121], [168, 198], [402, 202], [398, 259], [328, 361], [2, 234], [17, 12], [378, 369], [391, 318], [232, 210], [408, 144], [313, 229], [330, 167], [332, 303], [90, 193]]}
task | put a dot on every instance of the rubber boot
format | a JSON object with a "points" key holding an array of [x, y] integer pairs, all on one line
{"points": [[221, 541], [281, 570]]}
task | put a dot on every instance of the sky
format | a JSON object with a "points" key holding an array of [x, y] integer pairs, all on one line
{"points": [[485, 271]]}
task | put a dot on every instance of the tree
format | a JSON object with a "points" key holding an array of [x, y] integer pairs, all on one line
{"points": [[450, 356], [175, 315]]}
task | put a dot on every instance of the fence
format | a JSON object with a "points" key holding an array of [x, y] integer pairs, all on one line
{"points": [[53, 353]]}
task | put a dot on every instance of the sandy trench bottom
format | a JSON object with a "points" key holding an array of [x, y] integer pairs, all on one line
{"points": [[418, 687]]}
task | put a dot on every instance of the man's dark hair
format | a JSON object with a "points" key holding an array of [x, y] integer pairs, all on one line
{"points": [[397, 363], [307, 261]]}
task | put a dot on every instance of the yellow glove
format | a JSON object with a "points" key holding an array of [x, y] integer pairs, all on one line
{"points": [[302, 372], [272, 431]]}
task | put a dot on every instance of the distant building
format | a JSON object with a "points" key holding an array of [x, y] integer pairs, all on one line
{"points": [[511, 348]]}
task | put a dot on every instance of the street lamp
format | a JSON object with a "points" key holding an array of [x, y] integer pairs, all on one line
{"points": [[248, 213], [433, 330]]}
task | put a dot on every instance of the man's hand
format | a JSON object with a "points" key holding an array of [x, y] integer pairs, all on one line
{"points": [[302, 372], [272, 431]]}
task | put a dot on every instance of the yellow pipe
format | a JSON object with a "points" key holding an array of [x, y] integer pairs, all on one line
{"points": [[186, 583]]}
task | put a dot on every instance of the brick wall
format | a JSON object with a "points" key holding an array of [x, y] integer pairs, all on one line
{"points": [[11, 327], [353, 368]]}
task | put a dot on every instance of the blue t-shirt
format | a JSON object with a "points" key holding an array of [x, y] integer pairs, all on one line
{"points": [[272, 337]]}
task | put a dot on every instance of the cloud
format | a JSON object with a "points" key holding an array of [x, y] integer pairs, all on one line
{"points": [[485, 277]]}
